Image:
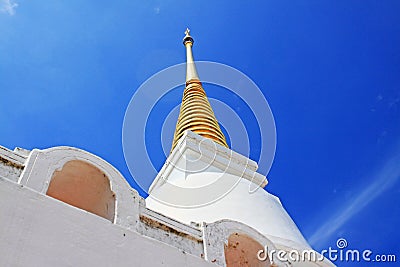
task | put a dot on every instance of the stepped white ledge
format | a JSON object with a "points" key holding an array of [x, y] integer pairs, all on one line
{"points": [[195, 154]]}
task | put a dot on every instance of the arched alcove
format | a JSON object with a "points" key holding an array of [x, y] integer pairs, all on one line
{"points": [[84, 186], [242, 250]]}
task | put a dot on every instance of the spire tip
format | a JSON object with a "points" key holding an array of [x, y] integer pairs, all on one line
{"points": [[187, 32], [187, 38]]}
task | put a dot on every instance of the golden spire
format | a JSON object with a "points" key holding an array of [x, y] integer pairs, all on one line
{"points": [[196, 113]]}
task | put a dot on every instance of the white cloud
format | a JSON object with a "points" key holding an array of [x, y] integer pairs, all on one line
{"points": [[8, 7], [385, 178]]}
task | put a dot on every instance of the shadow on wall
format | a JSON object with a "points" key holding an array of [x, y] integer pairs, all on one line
{"points": [[84, 186]]}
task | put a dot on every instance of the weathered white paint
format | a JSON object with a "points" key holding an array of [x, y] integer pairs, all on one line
{"points": [[11, 164], [37, 230], [216, 236], [170, 231], [42, 164]]}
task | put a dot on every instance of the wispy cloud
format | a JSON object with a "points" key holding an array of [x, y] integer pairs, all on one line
{"points": [[383, 179], [8, 7]]}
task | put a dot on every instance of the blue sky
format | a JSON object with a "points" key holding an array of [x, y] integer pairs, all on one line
{"points": [[329, 70]]}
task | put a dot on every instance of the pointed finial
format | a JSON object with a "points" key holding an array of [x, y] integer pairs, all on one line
{"points": [[187, 32], [187, 37]]}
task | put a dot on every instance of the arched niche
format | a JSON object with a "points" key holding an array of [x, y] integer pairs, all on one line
{"points": [[242, 250], [84, 186], [232, 243]]}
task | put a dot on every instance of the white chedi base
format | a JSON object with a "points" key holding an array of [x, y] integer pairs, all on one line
{"points": [[204, 182]]}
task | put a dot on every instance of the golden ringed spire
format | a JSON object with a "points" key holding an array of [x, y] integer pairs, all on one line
{"points": [[196, 113]]}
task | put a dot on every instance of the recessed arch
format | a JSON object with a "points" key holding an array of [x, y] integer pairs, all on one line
{"points": [[242, 250], [84, 186]]}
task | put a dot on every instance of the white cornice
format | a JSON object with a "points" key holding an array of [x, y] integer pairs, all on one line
{"points": [[208, 152]]}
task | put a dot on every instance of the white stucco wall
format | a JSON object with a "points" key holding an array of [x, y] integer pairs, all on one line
{"points": [[37, 230], [259, 210], [11, 163], [205, 182]]}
